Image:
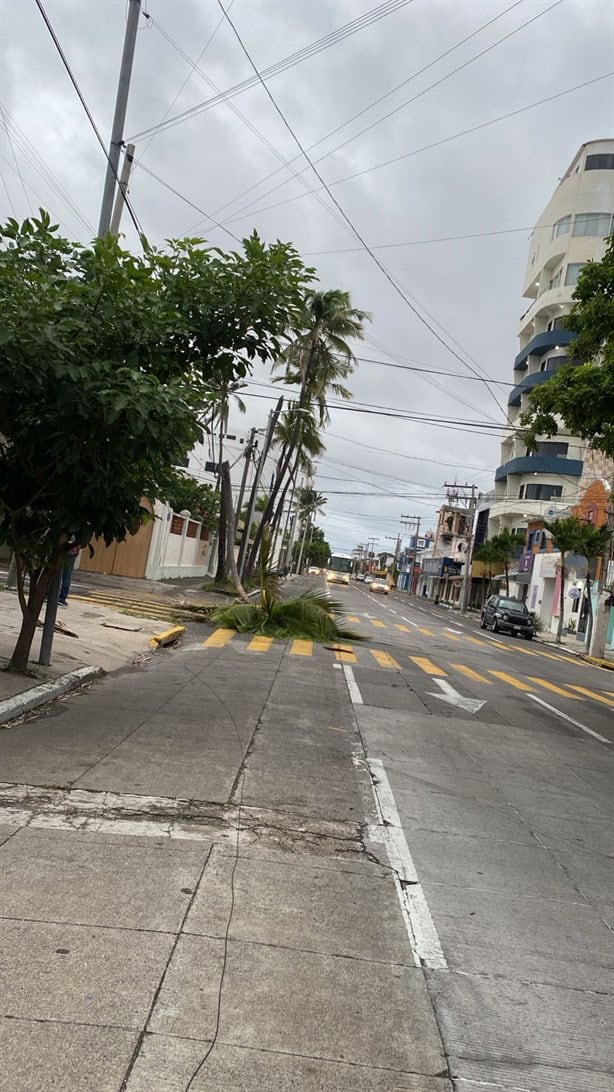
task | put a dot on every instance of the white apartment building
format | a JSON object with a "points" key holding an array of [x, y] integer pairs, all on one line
{"points": [[571, 231]]}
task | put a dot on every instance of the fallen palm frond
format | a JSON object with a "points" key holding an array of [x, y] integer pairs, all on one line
{"points": [[312, 616]]}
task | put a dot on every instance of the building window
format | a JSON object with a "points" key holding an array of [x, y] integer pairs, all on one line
{"points": [[552, 447], [603, 162], [562, 227], [542, 492], [521, 492], [573, 272], [593, 223], [552, 363]]}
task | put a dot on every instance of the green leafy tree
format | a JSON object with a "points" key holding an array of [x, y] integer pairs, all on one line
{"points": [[319, 549], [505, 548], [565, 537], [581, 393], [104, 363], [200, 499], [488, 556]]}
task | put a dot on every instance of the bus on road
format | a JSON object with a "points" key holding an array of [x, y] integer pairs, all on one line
{"points": [[339, 568]]}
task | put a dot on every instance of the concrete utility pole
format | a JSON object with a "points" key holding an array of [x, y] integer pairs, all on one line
{"points": [[468, 494], [412, 521], [119, 117], [120, 196]]}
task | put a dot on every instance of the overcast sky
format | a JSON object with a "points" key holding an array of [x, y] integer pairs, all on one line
{"points": [[494, 180]]}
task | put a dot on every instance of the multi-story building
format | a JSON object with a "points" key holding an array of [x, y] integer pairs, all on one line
{"points": [[571, 231]]}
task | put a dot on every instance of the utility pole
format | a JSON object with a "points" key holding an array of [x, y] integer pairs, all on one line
{"points": [[468, 495], [120, 196], [121, 103], [412, 521], [247, 455], [251, 508]]}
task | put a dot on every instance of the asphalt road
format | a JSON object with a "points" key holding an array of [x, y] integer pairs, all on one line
{"points": [[506, 812]]}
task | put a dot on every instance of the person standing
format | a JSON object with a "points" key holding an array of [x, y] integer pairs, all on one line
{"points": [[69, 565]]}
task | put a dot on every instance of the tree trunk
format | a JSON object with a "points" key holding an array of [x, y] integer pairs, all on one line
{"points": [[589, 628], [507, 579], [221, 572], [39, 586], [268, 512], [231, 563], [559, 628]]}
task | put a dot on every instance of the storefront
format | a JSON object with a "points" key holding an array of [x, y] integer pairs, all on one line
{"points": [[439, 579]]}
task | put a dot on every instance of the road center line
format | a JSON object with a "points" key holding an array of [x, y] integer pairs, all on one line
{"points": [[423, 937], [352, 685], [571, 720]]}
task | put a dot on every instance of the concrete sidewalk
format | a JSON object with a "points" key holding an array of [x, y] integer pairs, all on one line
{"points": [[196, 898]]}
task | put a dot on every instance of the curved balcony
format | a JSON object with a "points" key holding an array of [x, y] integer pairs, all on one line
{"points": [[540, 344], [540, 464], [527, 384]]}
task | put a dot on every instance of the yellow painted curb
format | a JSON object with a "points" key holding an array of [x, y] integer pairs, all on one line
{"points": [[167, 637], [599, 663]]}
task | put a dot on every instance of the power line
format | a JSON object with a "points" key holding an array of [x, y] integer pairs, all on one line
{"points": [[187, 200], [7, 192], [330, 39], [43, 201], [90, 118], [400, 454], [423, 242], [425, 91], [17, 167], [436, 143], [435, 371], [349, 222]]}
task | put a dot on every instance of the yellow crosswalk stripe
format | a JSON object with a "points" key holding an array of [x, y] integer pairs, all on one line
{"points": [[471, 674], [554, 688], [427, 632], [518, 683], [354, 619], [219, 638], [260, 644], [452, 637], [404, 629], [301, 648], [427, 665], [528, 652], [346, 655], [376, 622], [384, 659], [499, 644], [592, 694], [474, 640]]}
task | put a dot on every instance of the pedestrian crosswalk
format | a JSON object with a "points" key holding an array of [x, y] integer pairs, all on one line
{"points": [[362, 656]]}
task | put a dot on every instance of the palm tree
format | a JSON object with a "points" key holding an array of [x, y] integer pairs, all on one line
{"points": [[566, 535], [316, 360], [310, 502], [505, 546], [487, 553], [592, 542]]}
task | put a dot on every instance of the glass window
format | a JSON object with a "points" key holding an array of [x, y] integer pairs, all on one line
{"points": [[573, 272], [552, 447], [603, 162], [593, 223], [562, 226], [521, 492], [542, 492], [552, 363]]}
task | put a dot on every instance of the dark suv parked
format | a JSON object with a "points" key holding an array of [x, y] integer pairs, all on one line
{"points": [[508, 615]]}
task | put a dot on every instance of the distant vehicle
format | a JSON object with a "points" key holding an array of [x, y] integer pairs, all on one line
{"points": [[339, 569], [379, 585], [313, 570], [360, 576], [507, 615]]}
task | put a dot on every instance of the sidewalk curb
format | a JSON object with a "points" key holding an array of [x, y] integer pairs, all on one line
{"points": [[16, 706], [167, 637]]}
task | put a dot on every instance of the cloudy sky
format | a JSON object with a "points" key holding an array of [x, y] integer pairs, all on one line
{"points": [[454, 175]]}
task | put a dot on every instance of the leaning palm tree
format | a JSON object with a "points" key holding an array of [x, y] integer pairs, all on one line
{"points": [[316, 360]]}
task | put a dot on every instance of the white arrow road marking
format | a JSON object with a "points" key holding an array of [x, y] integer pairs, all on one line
{"points": [[452, 697]]}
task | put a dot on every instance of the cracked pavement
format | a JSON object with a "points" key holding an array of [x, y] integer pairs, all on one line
{"points": [[201, 892]]}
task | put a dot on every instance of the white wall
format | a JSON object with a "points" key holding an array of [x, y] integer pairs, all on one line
{"points": [[176, 548]]}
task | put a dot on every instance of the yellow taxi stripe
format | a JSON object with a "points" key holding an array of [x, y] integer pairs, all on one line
{"points": [[384, 659], [260, 644], [376, 622], [554, 688], [427, 632], [518, 683], [471, 674], [346, 655], [427, 665], [301, 648], [592, 694], [219, 638]]}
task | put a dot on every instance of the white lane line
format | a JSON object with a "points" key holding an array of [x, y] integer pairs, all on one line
{"points": [[391, 610], [352, 685], [425, 943], [409, 622], [571, 720], [450, 630]]}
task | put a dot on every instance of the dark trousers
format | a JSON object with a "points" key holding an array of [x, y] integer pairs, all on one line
{"points": [[67, 577]]}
